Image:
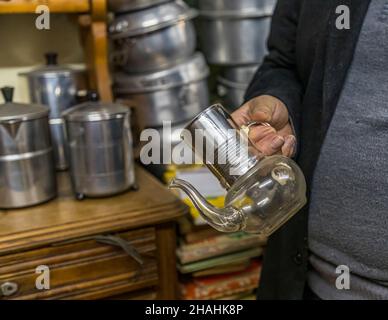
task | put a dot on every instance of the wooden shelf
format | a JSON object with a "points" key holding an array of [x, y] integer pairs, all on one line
{"points": [[92, 20], [56, 6]]}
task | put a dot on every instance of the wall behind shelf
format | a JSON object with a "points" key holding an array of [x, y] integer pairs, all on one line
{"points": [[23, 47]]}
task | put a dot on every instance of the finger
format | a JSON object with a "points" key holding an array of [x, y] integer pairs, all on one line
{"points": [[260, 112], [289, 146], [241, 115], [260, 132], [271, 144]]}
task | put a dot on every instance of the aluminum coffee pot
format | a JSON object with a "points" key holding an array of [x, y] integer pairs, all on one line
{"points": [[263, 192], [59, 87]]}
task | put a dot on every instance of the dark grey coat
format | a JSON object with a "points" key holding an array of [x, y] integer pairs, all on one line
{"points": [[306, 68]]}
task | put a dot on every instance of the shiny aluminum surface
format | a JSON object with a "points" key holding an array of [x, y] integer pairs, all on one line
{"points": [[101, 156], [216, 139], [237, 8], [174, 94], [27, 175], [240, 74], [234, 41], [234, 32], [56, 86], [120, 6], [233, 83], [231, 93], [153, 39]]}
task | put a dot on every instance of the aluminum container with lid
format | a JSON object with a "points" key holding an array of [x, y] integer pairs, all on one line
{"points": [[234, 32], [99, 141], [27, 174], [57, 87], [154, 38], [175, 94]]}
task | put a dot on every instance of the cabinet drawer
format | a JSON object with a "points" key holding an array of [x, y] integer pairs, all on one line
{"points": [[83, 268]]}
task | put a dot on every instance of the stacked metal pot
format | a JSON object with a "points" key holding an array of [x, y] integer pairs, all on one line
{"points": [[233, 35], [156, 69]]}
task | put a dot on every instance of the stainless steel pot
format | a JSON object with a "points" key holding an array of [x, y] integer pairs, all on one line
{"points": [[234, 32], [175, 94], [56, 87], [27, 174], [100, 149], [154, 38], [120, 6], [233, 83]]}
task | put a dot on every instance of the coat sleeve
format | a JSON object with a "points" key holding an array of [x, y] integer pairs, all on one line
{"points": [[277, 76]]}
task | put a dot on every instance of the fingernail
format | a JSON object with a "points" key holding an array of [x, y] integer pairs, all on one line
{"points": [[277, 142], [290, 140], [290, 145]]}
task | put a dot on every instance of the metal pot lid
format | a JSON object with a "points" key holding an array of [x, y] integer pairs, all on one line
{"points": [[10, 111], [52, 68], [192, 70], [131, 5], [231, 84], [240, 74], [150, 19], [95, 111], [236, 9]]}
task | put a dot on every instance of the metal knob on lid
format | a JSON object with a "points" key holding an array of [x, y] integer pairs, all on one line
{"points": [[7, 93], [51, 58]]}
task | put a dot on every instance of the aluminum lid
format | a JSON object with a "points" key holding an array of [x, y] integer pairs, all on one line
{"points": [[131, 5], [95, 111], [236, 9], [192, 70], [51, 69], [10, 111], [150, 19]]}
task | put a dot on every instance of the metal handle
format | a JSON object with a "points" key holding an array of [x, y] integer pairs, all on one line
{"points": [[8, 288], [125, 245]]}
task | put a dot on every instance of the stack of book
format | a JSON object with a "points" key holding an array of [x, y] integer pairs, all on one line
{"points": [[214, 265]]}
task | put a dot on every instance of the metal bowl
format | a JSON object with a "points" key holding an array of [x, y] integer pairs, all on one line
{"points": [[120, 6], [234, 32], [175, 94], [153, 39]]}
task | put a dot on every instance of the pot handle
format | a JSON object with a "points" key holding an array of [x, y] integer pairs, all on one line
{"points": [[7, 93]]}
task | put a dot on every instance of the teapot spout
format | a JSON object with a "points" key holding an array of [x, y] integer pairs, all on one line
{"points": [[227, 219]]}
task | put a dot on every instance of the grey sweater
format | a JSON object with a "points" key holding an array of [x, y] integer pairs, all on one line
{"points": [[348, 218]]}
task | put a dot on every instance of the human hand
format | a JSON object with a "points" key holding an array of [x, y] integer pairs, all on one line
{"points": [[279, 138]]}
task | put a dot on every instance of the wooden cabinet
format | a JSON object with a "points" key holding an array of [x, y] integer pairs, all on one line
{"points": [[71, 239]]}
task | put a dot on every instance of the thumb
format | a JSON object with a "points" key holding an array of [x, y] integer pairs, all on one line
{"points": [[259, 111]]}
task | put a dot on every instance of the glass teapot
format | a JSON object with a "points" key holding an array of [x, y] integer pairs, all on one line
{"points": [[263, 192]]}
